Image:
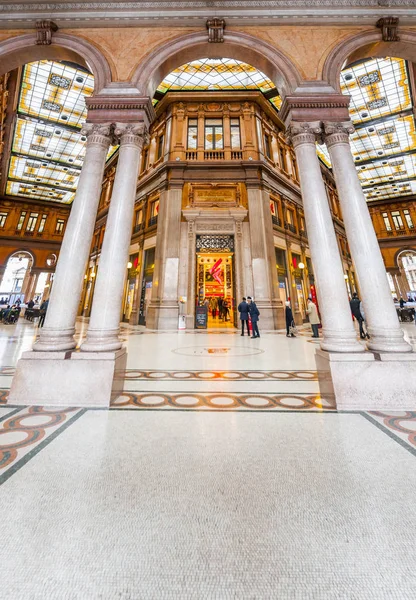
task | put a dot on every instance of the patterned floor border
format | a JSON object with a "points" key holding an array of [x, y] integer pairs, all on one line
{"points": [[184, 375]]}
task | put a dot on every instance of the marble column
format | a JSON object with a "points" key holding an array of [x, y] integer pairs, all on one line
{"points": [[59, 329], [383, 325], [337, 327], [104, 326]]}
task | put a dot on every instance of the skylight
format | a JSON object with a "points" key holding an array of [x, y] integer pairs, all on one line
{"points": [[48, 149], [215, 74]]}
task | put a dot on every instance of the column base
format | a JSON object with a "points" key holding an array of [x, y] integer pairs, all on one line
{"points": [[68, 378], [388, 341], [55, 340], [368, 381], [99, 340], [340, 341], [163, 316]]}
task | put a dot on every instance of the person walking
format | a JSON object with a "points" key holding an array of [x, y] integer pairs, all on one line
{"points": [[243, 309], [43, 309], [402, 302], [290, 322], [254, 313], [314, 320], [357, 313]]}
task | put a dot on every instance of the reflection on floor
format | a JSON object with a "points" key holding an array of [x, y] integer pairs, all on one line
{"points": [[220, 473]]}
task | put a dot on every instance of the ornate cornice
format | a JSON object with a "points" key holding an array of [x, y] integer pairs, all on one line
{"points": [[337, 133], [123, 110], [314, 107], [304, 133], [131, 134], [74, 14], [100, 134]]}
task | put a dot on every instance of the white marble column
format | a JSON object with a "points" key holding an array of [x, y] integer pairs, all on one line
{"points": [[337, 327], [383, 325], [59, 329], [104, 326]]}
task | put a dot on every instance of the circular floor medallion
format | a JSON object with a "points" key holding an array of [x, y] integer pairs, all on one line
{"points": [[217, 351]]}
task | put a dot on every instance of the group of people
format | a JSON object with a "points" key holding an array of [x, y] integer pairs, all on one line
{"points": [[248, 310], [10, 314], [219, 307]]}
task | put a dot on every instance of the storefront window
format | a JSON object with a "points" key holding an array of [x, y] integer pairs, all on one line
{"points": [[42, 223], [31, 222], [408, 219], [214, 138], [3, 217], [21, 220], [192, 134], [267, 146], [386, 221], [397, 219], [235, 134]]}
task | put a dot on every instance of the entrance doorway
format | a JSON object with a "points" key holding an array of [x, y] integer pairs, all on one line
{"points": [[215, 288]]}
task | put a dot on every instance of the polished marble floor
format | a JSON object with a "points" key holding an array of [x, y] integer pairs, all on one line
{"points": [[220, 473]]}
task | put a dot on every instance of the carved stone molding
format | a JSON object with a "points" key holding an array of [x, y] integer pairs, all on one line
{"points": [[315, 107], [124, 110], [134, 134], [99, 133], [304, 133], [216, 30], [44, 31], [337, 133], [389, 26]]}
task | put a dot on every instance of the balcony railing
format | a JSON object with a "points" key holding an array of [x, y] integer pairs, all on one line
{"points": [[29, 233], [152, 221], [401, 231], [138, 227], [291, 227], [303, 233], [191, 155], [236, 154], [214, 154], [276, 221]]}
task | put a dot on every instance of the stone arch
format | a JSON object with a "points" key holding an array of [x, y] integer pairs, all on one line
{"points": [[240, 46], [364, 45], [22, 49], [17, 251], [400, 253]]}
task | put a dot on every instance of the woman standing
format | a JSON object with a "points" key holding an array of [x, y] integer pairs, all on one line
{"points": [[290, 322], [314, 320]]}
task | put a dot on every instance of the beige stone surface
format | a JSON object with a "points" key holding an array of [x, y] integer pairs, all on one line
{"points": [[125, 48]]}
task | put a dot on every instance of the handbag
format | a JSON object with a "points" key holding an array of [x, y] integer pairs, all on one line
{"points": [[293, 329]]}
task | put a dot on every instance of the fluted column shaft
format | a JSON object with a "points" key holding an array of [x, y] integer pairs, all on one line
{"points": [[104, 328], [383, 325], [59, 329], [337, 327]]}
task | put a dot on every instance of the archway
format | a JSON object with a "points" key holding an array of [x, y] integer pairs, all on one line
{"points": [[23, 49], [406, 261], [16, 277], [365, 45], [240, 46]]}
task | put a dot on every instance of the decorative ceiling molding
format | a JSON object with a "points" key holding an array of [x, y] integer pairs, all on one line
{"points": [[187, 12]]}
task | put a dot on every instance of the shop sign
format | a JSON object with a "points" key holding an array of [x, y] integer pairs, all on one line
{"points": [[201, 317]]}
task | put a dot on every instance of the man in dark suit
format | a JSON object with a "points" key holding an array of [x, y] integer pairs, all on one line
{"points": [[243, 310], [254, 316]]}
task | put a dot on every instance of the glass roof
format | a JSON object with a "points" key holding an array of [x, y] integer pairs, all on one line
{"points": [[214, 74], [384, 142], [48, 149]]}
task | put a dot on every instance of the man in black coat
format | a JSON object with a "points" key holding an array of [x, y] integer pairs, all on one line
{"points": [[355, 309], [243, 310], [290, 322], [254, 316]]}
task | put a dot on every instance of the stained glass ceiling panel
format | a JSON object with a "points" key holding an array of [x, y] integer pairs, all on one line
{"points": [[48, 149], [217, 74], [384, 142]]}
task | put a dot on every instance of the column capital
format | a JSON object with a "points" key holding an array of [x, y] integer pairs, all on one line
{"points": [[337, 132], [133, 134], [304, 133], [100, 134]]}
